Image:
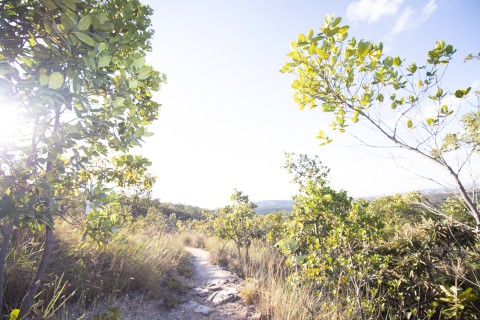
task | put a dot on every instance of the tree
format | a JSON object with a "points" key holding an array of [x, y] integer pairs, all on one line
{"points": [[236, 223], [328, 237], [404, 103], [76, 70]]}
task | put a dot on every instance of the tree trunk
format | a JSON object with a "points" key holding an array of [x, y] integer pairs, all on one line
{"points": [[468, 200], [27, 301], [7, 234]]}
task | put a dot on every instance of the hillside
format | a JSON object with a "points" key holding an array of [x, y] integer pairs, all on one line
{"points": [[267, 206]]}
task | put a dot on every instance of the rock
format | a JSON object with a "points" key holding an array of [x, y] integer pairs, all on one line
{"points": [[216, 282], [201, 291], [214, 288], [204, 310], [231, 290], [221, 297], [189, 305]]}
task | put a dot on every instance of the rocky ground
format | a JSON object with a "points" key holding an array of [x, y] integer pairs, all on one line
{"points": [[214, 295]]}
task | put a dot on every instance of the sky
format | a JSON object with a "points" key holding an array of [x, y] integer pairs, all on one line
{"points": [[228, 115]]}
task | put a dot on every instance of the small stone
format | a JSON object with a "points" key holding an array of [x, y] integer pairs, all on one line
{"points": [[221, 297], [214, 288], [200, 291], [216, 282], [204, 310]]}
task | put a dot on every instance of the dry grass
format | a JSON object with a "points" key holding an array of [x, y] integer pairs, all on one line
{"points": [[139, 258], [266, 286]]}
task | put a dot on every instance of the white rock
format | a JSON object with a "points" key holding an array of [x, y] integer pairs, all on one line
{"points": [[221, 297], [200, 291]]}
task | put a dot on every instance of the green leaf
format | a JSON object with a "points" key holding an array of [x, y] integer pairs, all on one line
{"points": [[459, 93], [55, 80], [388, 62], [70, 4], [102, 47], [412, 68], [43, 79], [49, 4], [85, 22], [104, 61], [143, 74], [133, 84], [85, 38], [67, 22], [139, 63]]}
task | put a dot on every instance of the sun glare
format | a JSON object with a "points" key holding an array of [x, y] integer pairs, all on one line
{"points": [[11, 126]]}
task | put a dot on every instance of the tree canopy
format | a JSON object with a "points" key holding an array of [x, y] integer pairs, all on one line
{"points": [[77, 72], [403, 102]]}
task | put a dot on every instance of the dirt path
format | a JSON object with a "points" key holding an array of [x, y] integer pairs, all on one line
{"points": [[214, 296]]}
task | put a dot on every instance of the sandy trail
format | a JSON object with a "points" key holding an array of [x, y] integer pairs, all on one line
{"points": [[214, 295], [204, 271]]}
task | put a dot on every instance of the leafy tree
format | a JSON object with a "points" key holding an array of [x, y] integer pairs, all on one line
{"points": [[236, 223], [329, 236], [405, 103], [76, 70]]}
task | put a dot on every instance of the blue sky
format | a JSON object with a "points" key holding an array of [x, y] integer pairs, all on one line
{"points": [[228, 115]]}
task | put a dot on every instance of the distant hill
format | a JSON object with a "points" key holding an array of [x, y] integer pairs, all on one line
{"points": [[267, 206], [435, 196]]}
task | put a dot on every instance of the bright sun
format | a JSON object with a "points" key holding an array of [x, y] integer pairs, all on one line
{"points": [[11, 127]]}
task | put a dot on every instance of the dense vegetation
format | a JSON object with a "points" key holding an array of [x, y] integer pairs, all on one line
{"points": [[341, 258]]}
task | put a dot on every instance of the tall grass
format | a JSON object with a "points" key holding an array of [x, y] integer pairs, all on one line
{"points": [[266, 284], [140, 257]]}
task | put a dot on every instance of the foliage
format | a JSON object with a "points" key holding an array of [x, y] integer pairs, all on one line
{"points": [[395, 211], [236, 223], [76, 71], [458, 301], [456, 209], [422, 257], [329, 239], [404, 103], [270, 227]]}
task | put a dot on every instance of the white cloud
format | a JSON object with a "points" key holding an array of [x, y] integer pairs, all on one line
{"points": [[404, 21], [428, 9], [372, 10], [411, 19]]}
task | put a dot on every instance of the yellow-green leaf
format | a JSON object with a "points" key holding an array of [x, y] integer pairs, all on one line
{"points": [[14, 314], [55, 80], [397, 61]]}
